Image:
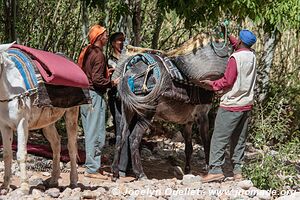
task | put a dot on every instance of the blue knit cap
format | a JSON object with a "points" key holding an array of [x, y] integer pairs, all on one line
{"points": [[247, 37]]}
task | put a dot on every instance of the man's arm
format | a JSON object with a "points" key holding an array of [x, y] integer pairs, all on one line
{"points": [[98, 72], [229, 77], [226, 81], [233, 41]]}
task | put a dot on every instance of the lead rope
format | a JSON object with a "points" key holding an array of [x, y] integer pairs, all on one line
{"points": [[225, 23]]}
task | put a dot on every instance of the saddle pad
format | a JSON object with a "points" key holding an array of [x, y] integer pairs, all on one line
{"points": [[62, 96], [174, 72], [25, 66], [188, 94], [56, 69], [47, 95]]}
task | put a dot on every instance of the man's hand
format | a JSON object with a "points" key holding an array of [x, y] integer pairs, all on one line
{"points": [[111, 71], [206, 84], [115, 82]]}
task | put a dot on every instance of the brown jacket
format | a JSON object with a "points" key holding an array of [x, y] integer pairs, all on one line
{"points": [[94, 66]]}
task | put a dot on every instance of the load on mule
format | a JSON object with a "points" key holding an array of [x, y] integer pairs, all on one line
{"points": [[19, 112], [159, 85]]}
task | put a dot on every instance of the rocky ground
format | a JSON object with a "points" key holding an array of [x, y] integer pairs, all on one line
{"points": [[163, 160]]}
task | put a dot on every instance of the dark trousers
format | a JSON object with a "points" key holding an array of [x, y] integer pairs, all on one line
{"points": [[230, 128], [115, 109]]}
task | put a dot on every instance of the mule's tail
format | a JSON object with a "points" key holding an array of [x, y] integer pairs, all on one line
{"points": [[143, 105]]}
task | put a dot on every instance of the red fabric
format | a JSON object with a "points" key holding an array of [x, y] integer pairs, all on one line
{"points": [[56, 69], [45, 151], [239, 108]]}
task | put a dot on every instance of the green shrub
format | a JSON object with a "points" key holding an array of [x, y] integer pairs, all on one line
{"points": [[275, 169], [271, 124]]}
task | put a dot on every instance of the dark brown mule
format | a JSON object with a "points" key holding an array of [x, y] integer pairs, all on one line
{"points": [[167, 100]]}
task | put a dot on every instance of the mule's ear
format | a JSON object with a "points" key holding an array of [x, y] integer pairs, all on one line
{"points": [[4, 47]]}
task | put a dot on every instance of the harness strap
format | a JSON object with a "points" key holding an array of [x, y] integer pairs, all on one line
{"points": [[21, 96]]}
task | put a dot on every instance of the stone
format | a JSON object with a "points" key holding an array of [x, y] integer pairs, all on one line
{"points": [[100, 191], [245, 184], [224, 197], [16, 194], [263, 195], [177, 137], [53, 192], [61, 165], [47, 174], [68, 165], [36, 193], [34, 180], [293, 196], [66, 193], [252, 192], [189, 179], [88, 194]]}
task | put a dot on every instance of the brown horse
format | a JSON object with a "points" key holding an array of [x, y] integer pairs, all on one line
{"points": [[167, 100]]}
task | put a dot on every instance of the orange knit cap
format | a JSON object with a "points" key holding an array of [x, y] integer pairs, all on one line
{"points": [[93, 34]]}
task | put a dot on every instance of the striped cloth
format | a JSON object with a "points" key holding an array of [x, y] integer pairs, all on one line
{"points": [[26, 68]]}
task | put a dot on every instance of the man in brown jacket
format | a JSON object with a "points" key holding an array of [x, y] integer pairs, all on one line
{"points": [[93, 62]]}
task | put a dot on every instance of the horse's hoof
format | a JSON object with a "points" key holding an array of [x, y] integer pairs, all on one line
{"points": [[50, 183], [187, 170], [142, 178], [73, 185]]}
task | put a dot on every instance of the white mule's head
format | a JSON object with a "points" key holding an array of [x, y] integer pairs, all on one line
{"points": [[4, 47]]}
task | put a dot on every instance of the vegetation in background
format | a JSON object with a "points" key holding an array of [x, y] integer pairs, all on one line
{"points": [[62, 25]]}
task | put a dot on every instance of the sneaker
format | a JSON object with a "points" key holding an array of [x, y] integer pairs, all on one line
{"points": [[212, 178], [95, 175]]}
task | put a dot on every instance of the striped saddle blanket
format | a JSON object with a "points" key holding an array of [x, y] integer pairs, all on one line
{"points": [[56, 69], [26, 68], [46, 94]]}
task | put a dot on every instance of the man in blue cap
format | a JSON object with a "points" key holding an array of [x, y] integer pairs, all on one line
{"points": [[237, 89]]}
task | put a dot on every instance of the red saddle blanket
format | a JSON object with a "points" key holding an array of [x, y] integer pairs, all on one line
{"points": [[55, 69]]}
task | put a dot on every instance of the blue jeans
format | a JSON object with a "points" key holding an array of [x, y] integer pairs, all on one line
{"points": [[93, 122]]}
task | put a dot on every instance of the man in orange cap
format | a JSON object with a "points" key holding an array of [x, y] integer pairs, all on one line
{"points": [[93, 63]]}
